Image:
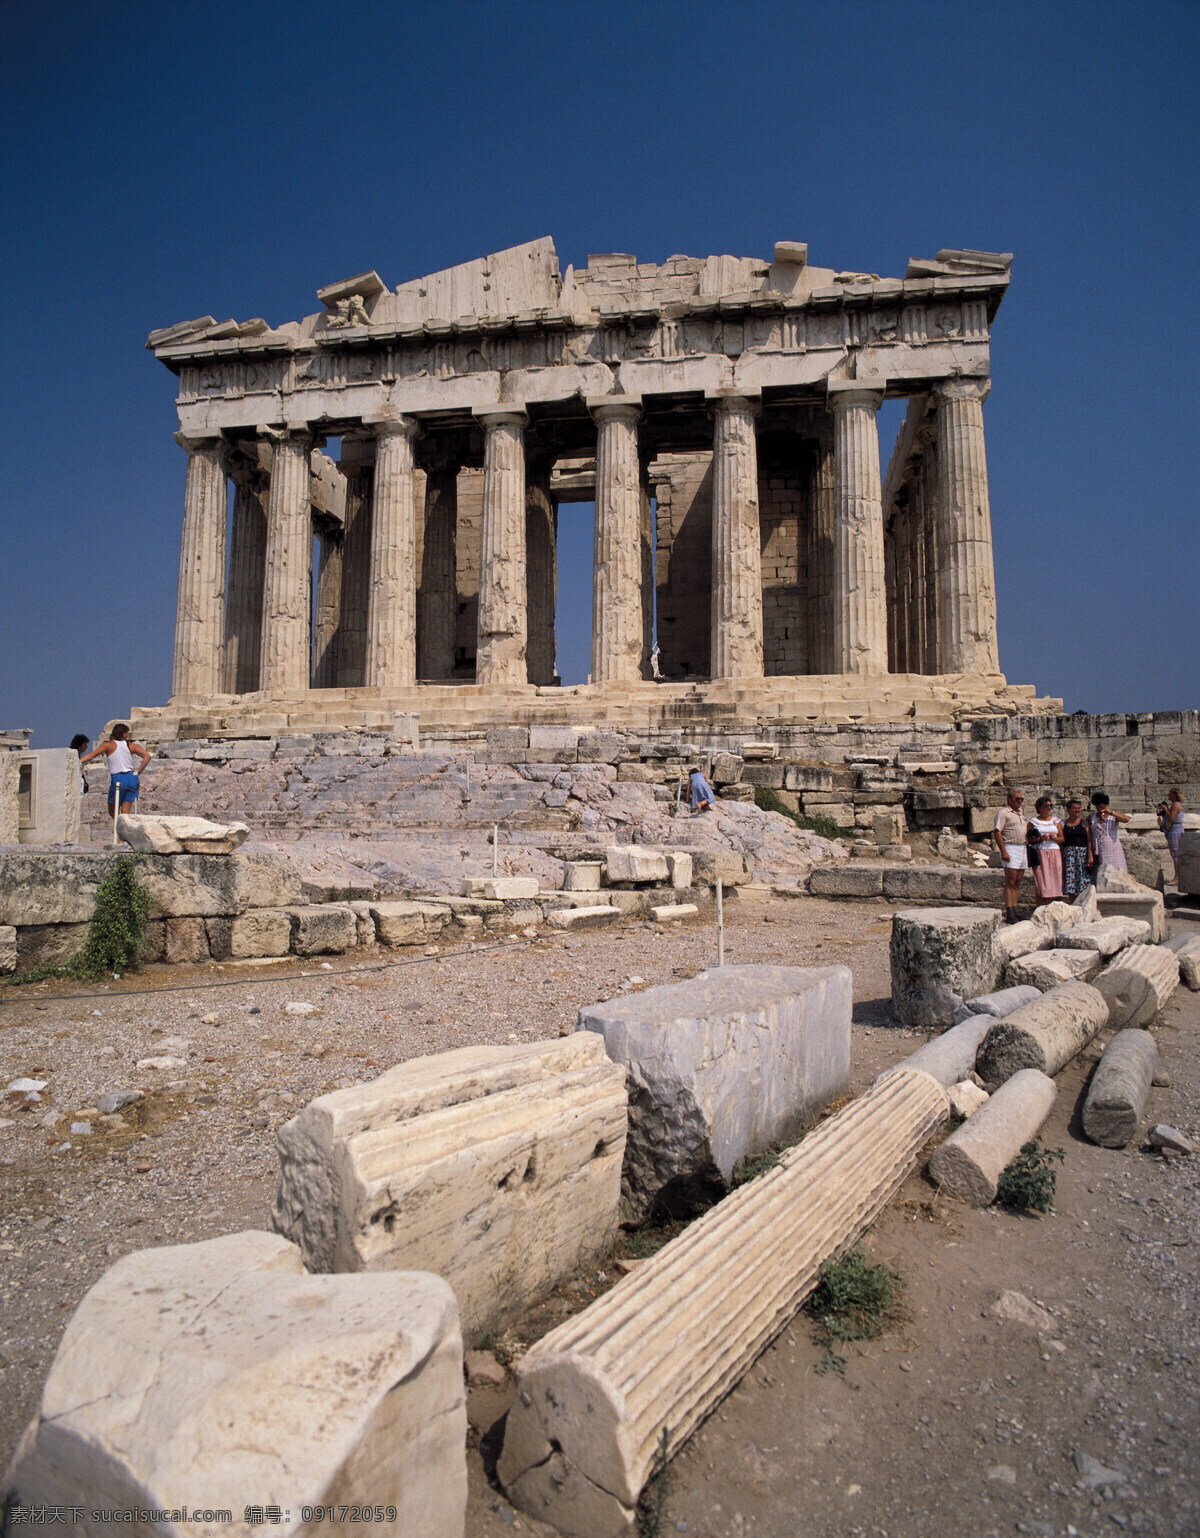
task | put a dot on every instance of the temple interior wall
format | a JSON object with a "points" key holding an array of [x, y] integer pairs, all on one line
{"points": [[683, 562], [783, 524]]}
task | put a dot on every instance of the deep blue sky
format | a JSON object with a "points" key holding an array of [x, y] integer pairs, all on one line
{"points": [[163, 160]]}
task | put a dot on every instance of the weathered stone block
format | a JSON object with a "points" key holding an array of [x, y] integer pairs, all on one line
{"points": [[1137, 984], [581, 1437], [846, 881], [323, 929], [407, 923], [166, 1390], [938, 806], [630, 862], [1045, 1035], [1120, 1088], [1189, 863], [365, 923], [1105, 936], [1187, 948], [668, 913], [972, 1159], [593, 917], [923, 883], [1147, 907], [640, 774], [770, 775], [49, 945], [720, 1067], [1046, 969], [186, 941], [8, 948], [939, 957], [887, 827], [679, 865], [1145, 860], [151, 834], [840, 813], [501, 888], [499, 1168], [10, 815], [726, 768], [261, 932], [581, 876], [1023, 939]]}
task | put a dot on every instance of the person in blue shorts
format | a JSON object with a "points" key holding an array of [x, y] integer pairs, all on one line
{"points": [[125, 781]]}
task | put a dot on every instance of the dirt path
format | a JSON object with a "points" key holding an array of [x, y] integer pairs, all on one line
{"points": [[957, 1423]]}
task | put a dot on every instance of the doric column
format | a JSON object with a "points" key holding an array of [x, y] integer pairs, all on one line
{"points": [[200, 609], [915, 604], [437, 601], [541, 540], [819, 588], [859, 603], [647, 513], [737, 644], [392, 601], [500, 655], [357, 465], [328, 609], [285, 664], [930, 501], [617, 623], [892, 578], [966, 577], [247, 570]]}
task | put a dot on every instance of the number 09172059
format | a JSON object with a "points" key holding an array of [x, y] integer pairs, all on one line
{"points": [[347, 1513]]}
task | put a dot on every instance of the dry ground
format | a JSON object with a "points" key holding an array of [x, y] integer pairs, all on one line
{"points": [[954, 1423]]}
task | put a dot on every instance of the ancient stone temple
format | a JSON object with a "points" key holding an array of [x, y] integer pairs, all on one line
{"points": [[720, 414]]}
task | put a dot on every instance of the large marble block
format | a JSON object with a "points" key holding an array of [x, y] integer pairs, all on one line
{"points": [[208, 1375], [720, 1067], [498, 1168], [629, 862], [940, 957]]}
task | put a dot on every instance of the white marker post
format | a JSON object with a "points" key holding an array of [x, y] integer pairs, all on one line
{"points": [[720, 922], [495, 850]]}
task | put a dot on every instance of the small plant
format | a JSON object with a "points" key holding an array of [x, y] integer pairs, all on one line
{"points": [[854, 1300], [750, 1169], [118, 934], [768, 800], [1027, 1184], [652, 1505]]}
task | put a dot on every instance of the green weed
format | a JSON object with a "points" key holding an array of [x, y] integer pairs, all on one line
{"points": [[768, 800], [854, 1300], [1027, 1184], [117, 936]]}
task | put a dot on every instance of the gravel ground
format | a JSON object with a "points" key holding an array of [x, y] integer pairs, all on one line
{"points": [[955, 1423]]}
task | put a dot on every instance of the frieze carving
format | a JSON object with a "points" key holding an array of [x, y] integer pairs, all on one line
{"points": [[350, 311], [947, 320]]}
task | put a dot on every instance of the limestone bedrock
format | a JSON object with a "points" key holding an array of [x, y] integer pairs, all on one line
{"points": [[499, 1168], [667, 1344], [720, 1067], [204, 1374], [939, 958], [1045, 1035]]}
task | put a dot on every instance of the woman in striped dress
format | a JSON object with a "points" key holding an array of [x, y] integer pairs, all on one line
{"points": [[1104, 826]]}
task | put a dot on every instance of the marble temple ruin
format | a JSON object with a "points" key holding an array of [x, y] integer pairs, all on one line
{"points": [[719, 412]]}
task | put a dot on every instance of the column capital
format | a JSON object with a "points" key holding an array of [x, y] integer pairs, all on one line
{"points": [[854, 392], [392, 426], [192, 444], [607, 408], [962, 389], [293, 432], [513, 414], [723, 402]]}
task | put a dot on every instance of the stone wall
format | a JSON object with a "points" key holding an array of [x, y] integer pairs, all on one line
{"points": [[682, 487]]}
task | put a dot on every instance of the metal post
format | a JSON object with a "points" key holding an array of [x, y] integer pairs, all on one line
{"points": [[495, 850], [720, 922]]}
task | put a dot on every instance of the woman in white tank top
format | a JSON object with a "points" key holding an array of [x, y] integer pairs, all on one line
{"points": [[125, 781]]}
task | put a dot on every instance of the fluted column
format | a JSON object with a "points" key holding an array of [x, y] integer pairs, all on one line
{"points": [[437, 601], [859, 603], [617, 623], [915, 646], [200, 608], [500, 655], [892, 578], [392, 601], [541, 540], [285, 663], [819, 588], [737, 631], [930, 501], [966, 578], [247, 570], [358, 468], [328, 609]]}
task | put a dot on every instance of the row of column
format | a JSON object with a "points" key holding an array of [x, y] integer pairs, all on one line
{"points": [[874, 606]]}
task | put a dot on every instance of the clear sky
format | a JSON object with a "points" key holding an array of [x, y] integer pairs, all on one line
{"points": [[166, 160]]}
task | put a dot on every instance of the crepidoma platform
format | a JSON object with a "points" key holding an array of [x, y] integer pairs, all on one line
{"points": [[751, 563]]}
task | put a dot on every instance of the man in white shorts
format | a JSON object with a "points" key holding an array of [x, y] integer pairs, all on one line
{"points": [[1009, 834]]}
